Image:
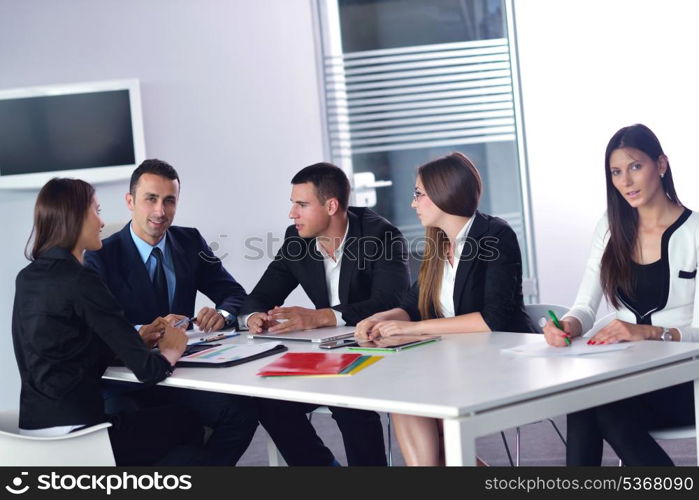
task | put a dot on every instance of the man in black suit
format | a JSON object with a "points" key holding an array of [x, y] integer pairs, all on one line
{"points": [[351, 263], [154, 270]]}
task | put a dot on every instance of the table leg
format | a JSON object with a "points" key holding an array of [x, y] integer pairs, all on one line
{"points": [[459, 443]]}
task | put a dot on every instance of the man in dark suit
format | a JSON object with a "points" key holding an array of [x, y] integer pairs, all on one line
{"points": [[351, 263], [154, 270]]}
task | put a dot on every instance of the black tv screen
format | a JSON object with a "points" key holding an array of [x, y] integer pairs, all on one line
{"points": [[65, 132]]}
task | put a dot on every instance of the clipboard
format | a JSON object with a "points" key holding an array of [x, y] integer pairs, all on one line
{"points": [[225, 355]]}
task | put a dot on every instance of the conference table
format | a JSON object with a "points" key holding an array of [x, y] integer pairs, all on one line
{"points": [[469, 381]]}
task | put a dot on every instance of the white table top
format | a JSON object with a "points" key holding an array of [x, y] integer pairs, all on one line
{"points": [[458, 376]]}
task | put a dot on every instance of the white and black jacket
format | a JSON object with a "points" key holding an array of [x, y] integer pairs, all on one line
{"points": [[679, 256]]}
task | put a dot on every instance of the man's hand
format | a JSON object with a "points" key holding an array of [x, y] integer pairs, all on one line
{"points": [[173, 343], [260, 322], [300, 318], [209, 320], [151, 333], [174, 318]]}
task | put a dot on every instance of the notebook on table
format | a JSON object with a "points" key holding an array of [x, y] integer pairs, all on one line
{"points": [[317, 364], [318, 335]]}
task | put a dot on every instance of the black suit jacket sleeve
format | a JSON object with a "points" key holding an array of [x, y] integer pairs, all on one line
{"points": [[98, 308], [390, 279], [277, 282], [411, 301], [493, 283], [503, 275], [215, 282]]}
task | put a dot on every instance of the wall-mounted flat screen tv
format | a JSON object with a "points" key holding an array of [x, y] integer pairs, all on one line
{"points": [[92, 131]]}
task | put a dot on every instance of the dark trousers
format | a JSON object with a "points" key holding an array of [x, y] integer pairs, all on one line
{"points": [[625, 425], [232, 419], [153, 437], [297, 441]]}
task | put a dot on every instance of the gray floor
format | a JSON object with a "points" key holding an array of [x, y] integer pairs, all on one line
{"points": [[540, 446]]}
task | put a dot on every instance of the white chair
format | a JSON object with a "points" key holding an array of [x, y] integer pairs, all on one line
{"points": [[680, 432], [539, 316], [683, 432], [86, 447], [276, 459]]}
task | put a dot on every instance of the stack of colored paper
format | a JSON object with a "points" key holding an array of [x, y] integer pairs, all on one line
{"points": [[317, 364]]}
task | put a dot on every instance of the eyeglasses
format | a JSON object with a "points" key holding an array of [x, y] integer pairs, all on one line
{"points": [[417, 194]]}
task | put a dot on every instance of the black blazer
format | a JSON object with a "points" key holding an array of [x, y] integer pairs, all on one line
{"points": [[488, 278], [373, 274], [196, 268], [66, 328]]}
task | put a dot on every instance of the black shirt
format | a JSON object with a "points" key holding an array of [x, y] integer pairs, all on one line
{"points": [[66, 328], [647, 294]]}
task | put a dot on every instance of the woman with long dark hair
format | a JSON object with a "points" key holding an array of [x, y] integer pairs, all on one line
{"points": [[67, 327], [470, 281], [644, 262]]}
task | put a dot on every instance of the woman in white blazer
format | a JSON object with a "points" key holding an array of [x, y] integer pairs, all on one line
{"points": [[644, 262]]}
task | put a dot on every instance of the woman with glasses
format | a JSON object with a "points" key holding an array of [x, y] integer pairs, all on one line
{"points": [[470, 281], [644, 262]]}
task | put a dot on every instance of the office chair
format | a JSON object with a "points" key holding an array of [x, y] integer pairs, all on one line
{"points": [[539, 316], [275, 458], [680, 432], [86, 447]]}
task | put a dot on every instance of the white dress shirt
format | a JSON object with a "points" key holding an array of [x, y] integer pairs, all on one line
{"points": [[446, 293], [332, 274], [332, 279]]}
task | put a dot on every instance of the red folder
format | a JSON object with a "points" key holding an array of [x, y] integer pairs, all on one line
{"points": [[309, 363]]}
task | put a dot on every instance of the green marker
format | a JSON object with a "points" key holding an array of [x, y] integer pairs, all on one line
{"points": [[558, 325]]}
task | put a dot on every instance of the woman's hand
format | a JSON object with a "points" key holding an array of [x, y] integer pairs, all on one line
{"points": [[557, 337], [620, 331], [365, 329], [394, 327]]}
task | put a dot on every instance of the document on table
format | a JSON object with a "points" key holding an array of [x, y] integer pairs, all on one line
{"points": [[196, 336], [578, 347], [228, 354]]}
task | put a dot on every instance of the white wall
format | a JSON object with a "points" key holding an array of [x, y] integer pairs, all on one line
{"points": [[230, 98], [587, 69]]}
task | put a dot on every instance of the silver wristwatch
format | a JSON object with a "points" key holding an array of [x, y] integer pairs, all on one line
{"points": [[665, 335], [228, 318]]}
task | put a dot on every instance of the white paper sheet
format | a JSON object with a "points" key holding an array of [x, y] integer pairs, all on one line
{"points": [[578, 347]]}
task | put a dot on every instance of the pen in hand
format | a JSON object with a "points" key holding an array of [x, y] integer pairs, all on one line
{"points": [[557, 324], [184, 321]]}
